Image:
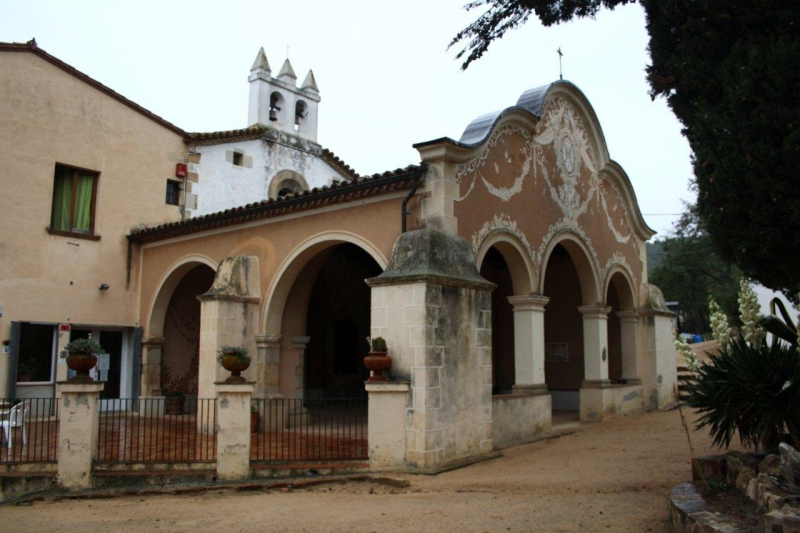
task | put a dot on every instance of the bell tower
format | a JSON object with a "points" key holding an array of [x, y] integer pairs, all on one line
{"points": [[278, 103]]}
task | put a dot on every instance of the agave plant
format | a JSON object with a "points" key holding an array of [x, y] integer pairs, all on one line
{"points": [[750, 390]]}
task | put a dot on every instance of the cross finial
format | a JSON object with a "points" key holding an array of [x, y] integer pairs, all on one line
{"points": [[287, 51], [560, 55]]}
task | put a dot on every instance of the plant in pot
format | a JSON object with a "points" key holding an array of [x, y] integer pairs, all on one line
{"points": [[24, 372], [81, 357], [174, 399], [377, 362], [235, 360]]}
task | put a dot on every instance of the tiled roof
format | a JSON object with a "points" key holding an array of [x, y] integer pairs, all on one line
{"points": [[334, 161], [346, 191], [253, 132], [32, 47]]}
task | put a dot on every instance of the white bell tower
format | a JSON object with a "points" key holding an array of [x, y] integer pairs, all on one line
{"points": [[278, 103]]}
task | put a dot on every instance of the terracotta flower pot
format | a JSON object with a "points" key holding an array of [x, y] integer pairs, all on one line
{"points": [[235, 365], [377, 363], [81, 363]]}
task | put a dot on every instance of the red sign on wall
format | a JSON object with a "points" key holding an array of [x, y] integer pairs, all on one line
{"points": [[180, 170], [64, 327]]}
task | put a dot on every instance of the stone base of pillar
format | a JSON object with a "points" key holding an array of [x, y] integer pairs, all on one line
{"points": [[529, 390], [233, 437], [602, 403], [387, 425], [78, 432], [521, 417]]}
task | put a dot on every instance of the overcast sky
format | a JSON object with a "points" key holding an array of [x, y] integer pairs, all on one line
{"points": [[385, 76]]}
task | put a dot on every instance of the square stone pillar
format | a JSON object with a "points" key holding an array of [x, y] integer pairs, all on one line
{"points": [[150, 384], [434, 310], [78, 431], [233, 430], [658, 364], [229, 314], [388, 403], [529, 343], [629, 332]]}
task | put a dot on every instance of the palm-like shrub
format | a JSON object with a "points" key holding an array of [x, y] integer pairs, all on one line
{"points": [[752, 391]]}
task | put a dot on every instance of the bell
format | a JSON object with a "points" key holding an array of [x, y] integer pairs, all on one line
{"points": [[273, 115]]}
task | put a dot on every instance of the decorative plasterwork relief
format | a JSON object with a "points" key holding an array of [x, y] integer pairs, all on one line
{"points": [[474, 168], [565, 225], [502, 222], [616, 260]]}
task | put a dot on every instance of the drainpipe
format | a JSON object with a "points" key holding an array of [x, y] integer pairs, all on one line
{"points": [[411, 193]]}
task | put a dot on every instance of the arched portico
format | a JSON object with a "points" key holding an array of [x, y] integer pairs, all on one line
{"points": [[623, 322], [171, 341], [288, 313]]}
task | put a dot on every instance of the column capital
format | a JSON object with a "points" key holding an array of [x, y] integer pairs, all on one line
{"points": [[268, 341], [595, 311], [299, 342], [528, 302], [628, 316]]}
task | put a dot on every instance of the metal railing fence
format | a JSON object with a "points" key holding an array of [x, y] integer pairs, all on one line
{"points": [[29, 430], [309, 430], [155, 430]]}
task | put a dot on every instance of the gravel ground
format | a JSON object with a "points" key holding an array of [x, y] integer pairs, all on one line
{"points": [[611, 476]]}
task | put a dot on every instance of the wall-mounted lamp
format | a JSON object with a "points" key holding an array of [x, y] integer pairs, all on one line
{"points": [[104, 287]]}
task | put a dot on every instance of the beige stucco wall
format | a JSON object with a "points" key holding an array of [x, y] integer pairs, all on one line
{"points": [[49, 116]]}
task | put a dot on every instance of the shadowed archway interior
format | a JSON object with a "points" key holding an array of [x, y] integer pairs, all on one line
{"points": [[495, 269]]}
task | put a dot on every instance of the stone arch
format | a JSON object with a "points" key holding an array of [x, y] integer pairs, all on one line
{"points": [[165, 288], [300, 112], [277, 103], [286, 182], [622, 325], [585, 263], [516, 256], [291, 267]]}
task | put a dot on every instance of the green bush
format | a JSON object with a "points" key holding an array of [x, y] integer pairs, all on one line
{"points": [[753, 391], [378, 344], [83, 346]]}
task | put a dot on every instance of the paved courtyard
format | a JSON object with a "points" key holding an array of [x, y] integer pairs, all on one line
{"points": [[613, 476]]}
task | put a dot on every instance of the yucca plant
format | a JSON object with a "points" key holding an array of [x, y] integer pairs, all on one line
{"points": [[752, 391]]}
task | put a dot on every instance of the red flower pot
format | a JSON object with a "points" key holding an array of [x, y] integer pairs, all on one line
{"points": [[378, 363]]}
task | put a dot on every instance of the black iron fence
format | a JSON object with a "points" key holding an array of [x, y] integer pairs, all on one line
{"points": [[155, 430], [29, 430], [308, 430]]}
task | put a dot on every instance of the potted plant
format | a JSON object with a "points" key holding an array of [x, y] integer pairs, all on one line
{"points": [[377, 362], [235, 360], [81, 357], [24, 372], [253, 418], [174, 399]]}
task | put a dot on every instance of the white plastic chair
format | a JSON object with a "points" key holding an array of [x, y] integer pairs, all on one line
{"points": [[16, 419]]}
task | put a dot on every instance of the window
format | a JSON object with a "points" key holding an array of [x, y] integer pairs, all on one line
{"points": [[237, 158], [173, 192], [36, 349], [74, 196]]}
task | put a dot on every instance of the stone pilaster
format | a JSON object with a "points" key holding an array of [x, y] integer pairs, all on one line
{"points": [[78, 432], [529, 343], [595, 344], [233, 433]]}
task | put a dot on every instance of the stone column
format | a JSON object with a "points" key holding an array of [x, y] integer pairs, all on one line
{"points": [[78, 432], [629, 333], [229, 314], [595, 344], [595, 391], [529, 343], [388, 403], [434, 310], [268, 361], [151, 367], [233, 430]]}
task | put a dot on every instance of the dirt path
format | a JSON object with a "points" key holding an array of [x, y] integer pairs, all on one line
{"points": [[614, 476]]}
